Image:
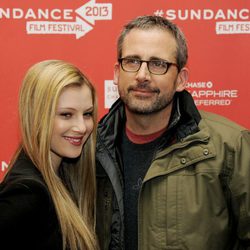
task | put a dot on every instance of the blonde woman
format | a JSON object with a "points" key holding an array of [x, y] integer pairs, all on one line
{"points": [[47, 199]]}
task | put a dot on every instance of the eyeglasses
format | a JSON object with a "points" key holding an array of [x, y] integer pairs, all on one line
{"points": [[156, 67]]}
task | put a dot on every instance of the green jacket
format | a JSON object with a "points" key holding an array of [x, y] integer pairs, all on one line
{"points": [[196, 193]]}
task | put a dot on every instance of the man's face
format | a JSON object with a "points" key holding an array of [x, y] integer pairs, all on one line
{"points": [[142, 91]]}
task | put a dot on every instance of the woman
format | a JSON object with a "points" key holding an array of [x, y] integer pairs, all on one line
{"points": [[47, 199]]}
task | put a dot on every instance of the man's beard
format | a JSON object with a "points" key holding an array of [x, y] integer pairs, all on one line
{"points": [[146, 105]]}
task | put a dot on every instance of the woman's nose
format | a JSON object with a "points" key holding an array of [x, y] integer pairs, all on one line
{"points": [[79, 125]]}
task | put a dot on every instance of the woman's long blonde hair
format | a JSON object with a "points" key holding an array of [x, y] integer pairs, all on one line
{"points": [[73, 195]]}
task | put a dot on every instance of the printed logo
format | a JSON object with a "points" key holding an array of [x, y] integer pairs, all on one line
{"points": [[3, 169], [92, 11], [232, 28], [82, 20], [228, 21], [138, 185], [204, 94], [4, 166], [110, 92]]}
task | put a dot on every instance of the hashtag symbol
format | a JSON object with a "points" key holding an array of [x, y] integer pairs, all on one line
{"points": [[159, 13]]}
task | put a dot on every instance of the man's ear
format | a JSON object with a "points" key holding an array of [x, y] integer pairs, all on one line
{"points": [[116, 73], [182, 79]]}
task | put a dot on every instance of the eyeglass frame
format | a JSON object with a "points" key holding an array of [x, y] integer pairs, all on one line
{"points": [[169, 64]]}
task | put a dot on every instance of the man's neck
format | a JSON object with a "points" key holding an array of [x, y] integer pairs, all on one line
{"points": [[147, 124], [143, 139]]}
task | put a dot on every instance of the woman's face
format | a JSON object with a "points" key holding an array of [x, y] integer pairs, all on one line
{"points": [[73, 123]]}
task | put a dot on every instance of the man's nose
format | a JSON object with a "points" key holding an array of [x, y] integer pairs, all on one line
{"points": [[143, 73]]}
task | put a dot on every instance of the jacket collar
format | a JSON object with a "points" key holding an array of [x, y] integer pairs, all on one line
{"points": [[184, 114]]}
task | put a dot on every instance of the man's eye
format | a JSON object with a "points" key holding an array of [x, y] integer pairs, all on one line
{"points": [[132, 61], [158, 63]]}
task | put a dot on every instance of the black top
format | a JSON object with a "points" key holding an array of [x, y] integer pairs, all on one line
{"points": [[137, 159], [27, 215]]}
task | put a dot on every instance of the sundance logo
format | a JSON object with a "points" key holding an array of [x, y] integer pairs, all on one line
{"points": [[4, 166], [61, 21], [204, 14], [228, 21]]}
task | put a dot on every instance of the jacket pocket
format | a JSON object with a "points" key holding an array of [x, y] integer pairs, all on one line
{"points": [[183, 210]]}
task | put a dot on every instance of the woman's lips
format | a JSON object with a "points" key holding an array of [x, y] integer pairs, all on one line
{"points": [[76, 141]]}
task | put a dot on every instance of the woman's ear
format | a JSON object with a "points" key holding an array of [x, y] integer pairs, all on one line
{"points": [[182, 79]]}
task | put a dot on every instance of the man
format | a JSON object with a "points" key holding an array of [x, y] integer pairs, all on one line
{"points": [[169, 176]]}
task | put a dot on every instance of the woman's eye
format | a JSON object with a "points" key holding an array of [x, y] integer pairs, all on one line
{"points": [[88, 114], [66, 115]]}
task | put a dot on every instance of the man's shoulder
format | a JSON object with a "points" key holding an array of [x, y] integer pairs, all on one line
{"points": [[221, 126], [221, 121]]}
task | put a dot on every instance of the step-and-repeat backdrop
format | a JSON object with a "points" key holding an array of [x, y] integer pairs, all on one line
{"points": [[84, 32]]}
